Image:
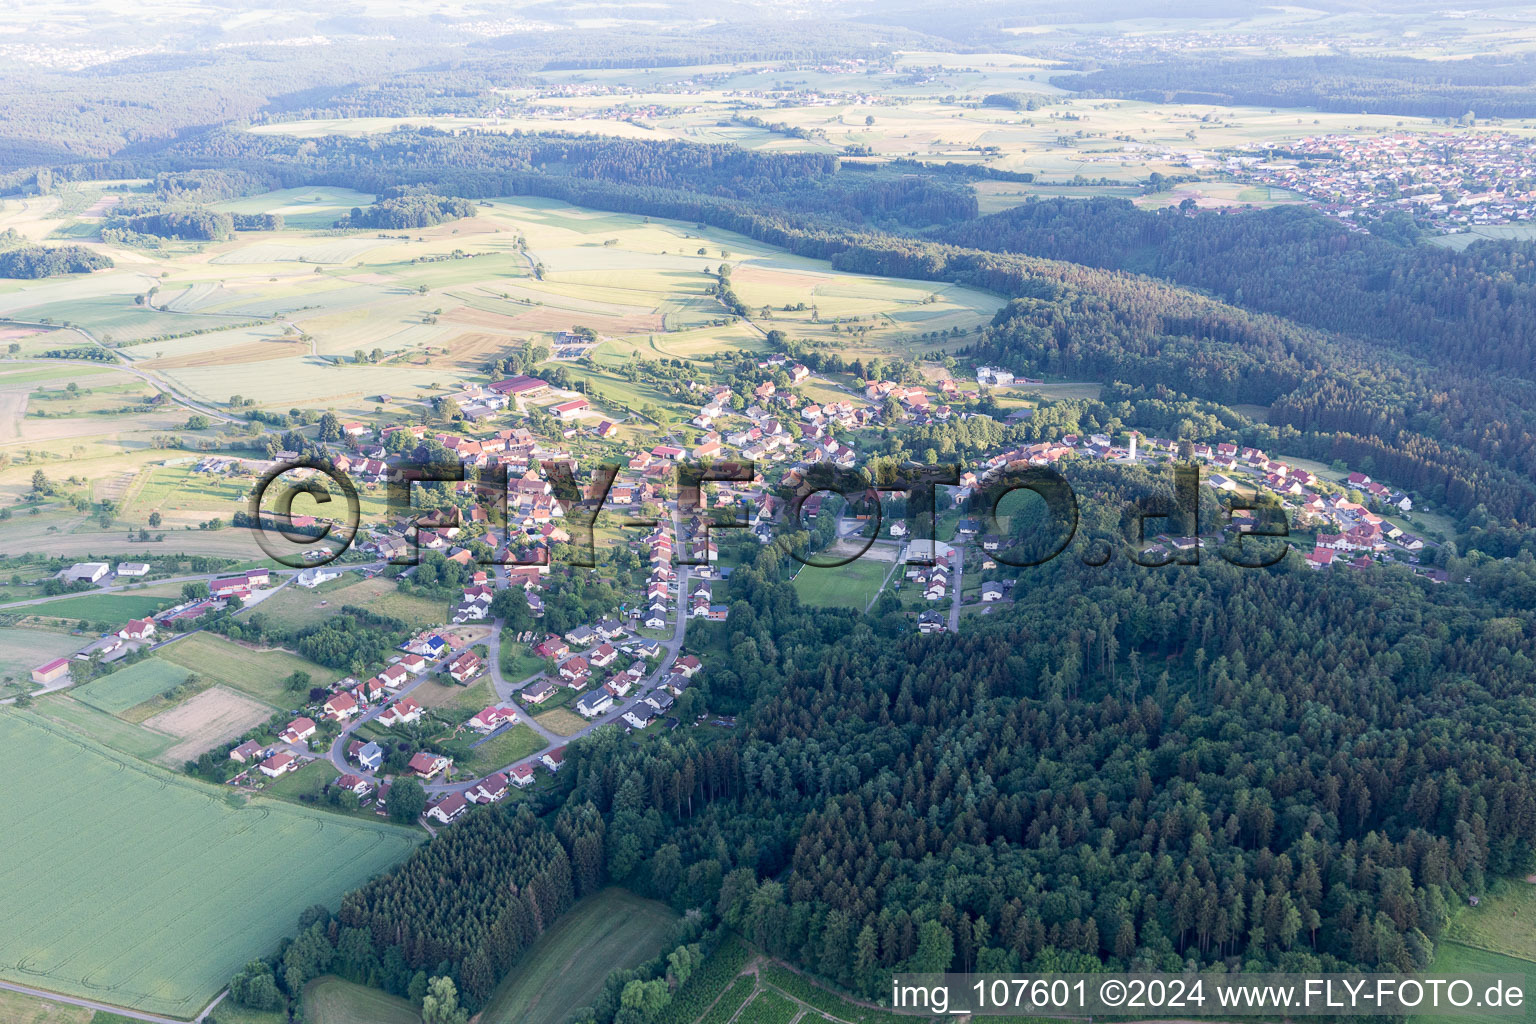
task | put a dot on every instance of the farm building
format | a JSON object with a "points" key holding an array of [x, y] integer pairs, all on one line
{"points": [[568, 410], [521, 386], [54, 670], [85, 572], [133, 569]]}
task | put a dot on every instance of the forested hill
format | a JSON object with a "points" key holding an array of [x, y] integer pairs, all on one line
{"points": [[1127, 767], [1487, 86]]}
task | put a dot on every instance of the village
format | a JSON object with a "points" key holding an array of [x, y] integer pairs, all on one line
{"points": [[1451, 182], [627, 667]]}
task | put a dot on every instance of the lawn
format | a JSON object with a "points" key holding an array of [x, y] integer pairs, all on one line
{"points": [[114, 609], [1453, 960], [844, 586], [515, 667], [176, 883], [131, 686], [16, 1008], [330, 1000], [504, 748], [258, 673], [615, 928]]}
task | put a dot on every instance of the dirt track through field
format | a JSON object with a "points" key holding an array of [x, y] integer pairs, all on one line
{"points": [[13, 406]]}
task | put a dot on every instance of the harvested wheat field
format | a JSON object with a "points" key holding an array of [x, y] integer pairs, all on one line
{"points": [[203, 722], [249, 352]]}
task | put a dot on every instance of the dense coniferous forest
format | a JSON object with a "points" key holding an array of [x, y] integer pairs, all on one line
{"points": [[1488, 87], [1130, 767]]}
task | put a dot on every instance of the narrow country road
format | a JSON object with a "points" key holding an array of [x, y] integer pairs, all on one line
{"points": [[108, 1007]]}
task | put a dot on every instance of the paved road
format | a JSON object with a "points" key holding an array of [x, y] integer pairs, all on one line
{"points": [[108, 1007], [954, 582], [671, 649]]}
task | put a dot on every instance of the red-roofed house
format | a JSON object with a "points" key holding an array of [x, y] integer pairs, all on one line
{"points": [[489, 789], [465, 667], [449, 807], [298, 729], [138, 629], [554, 760], [54, 670], [427, 765], [492, 718], [403, 710], [520, 775], [278, 763], [341, 706]]}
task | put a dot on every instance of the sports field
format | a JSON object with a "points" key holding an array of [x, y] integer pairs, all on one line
{"points": [[258, 673], [614, 928], [330, 1000], [175, 884], [131, 686], [843, 586]]}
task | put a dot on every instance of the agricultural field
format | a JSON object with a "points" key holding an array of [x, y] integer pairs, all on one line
{"points": [[113, 609], [132, 686], [505, 747], [1453, 960], [614, 928], [127, 737], [240, 875], [259, 673], [203, 722], [17, 1008], [330, 1000]]}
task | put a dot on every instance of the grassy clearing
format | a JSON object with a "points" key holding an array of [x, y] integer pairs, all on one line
{"points": [[514, 744], [1504, 921], [177, 884], [258, 673], [614, 928], [330, 1000], [561, 722], [296, 606], [845, 586], [132, 686]]}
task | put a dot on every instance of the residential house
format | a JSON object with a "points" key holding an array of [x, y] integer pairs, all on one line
{"points": [[403, 711], [449, 807], [278, 763], [428, 765]]}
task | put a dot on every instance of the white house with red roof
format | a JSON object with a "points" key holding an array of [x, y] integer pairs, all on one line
{"points": [[341, 706], [278, 763], [488, 790], [427, 764], [298, 730], [688, 665], [465, 667], [554, 760], [520, 775], [492, 718], [449, 808], [404, 710], [138, 629]]}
